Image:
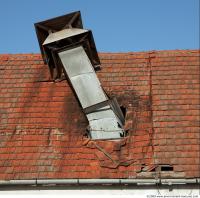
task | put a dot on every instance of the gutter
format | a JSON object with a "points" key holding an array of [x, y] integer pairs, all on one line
{"points": [[41, 182]]}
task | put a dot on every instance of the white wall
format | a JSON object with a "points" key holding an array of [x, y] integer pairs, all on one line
{"points": [[180, 191]]}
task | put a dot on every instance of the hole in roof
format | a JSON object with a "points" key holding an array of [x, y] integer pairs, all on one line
{"points": [[123, 109], [166, 168], [126, 133]]}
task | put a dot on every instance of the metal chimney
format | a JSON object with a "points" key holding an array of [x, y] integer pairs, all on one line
{"points": [[68, 48]]}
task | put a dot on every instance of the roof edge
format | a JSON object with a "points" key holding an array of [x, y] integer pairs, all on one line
{"points": [[41, 182], [109, 52]]}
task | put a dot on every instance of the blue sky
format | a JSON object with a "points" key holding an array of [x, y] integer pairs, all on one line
{"points": [[117, 25]]}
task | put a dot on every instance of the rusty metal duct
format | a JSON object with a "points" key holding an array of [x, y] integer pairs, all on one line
{"points": [[68, 48]]}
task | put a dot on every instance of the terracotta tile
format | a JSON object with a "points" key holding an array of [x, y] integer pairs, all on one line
{"points": [[42, 125]]}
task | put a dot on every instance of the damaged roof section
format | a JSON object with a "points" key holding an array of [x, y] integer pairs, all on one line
{"points": [[71, 51], [103, 122], [42, 125]]}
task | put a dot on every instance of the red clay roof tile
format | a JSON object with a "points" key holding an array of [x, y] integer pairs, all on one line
{"points": [[42, 127]]}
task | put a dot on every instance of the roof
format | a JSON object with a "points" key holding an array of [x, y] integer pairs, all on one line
{"points": [[42, 126]]}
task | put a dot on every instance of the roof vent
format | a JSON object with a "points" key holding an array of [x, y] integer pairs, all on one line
{"points": [[68, 48]]}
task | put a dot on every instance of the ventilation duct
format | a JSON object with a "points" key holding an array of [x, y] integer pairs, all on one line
{"points": [[69, 49]]}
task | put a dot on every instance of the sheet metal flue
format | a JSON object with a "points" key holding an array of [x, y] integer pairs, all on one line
{"points": [[72, 49]]}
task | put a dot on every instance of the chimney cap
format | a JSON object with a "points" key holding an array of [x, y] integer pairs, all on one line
{"points": [[64, 32], [43, 28]]}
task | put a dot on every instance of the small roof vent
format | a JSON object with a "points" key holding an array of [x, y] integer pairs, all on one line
{"points": [[68, 48]]}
